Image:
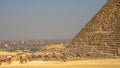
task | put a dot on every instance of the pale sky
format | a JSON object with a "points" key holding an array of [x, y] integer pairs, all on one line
{"points": [[45, 19]]}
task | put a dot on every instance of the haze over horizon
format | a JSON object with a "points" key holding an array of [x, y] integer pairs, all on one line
{"points": [[45, 19]]}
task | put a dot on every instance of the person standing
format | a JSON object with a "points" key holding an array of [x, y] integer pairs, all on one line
{"points": [[0, 60], [9, 59], [64, 56]]}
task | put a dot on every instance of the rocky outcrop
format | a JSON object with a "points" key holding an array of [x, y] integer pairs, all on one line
{"points": [[102, 31]]}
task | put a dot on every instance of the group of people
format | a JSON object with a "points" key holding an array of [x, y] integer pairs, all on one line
{"points": [[44, 56], [5, 59]]}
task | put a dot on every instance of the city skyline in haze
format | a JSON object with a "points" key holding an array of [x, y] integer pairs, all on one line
{"points": [[45, 19]]}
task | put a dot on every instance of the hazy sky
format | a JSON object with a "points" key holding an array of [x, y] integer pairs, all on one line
{"points": [[45, 19]]}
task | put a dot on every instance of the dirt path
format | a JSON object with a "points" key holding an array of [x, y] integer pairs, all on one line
{"points": [[107, 63]]}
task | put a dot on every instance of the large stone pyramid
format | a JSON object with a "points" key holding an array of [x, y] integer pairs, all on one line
{"points": [[103, 30]]}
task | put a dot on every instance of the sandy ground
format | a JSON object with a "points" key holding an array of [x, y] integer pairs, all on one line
{"points": [[106, 63], [7, 53]]}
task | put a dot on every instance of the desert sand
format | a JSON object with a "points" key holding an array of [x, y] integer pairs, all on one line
{"points": [[96, 63]]}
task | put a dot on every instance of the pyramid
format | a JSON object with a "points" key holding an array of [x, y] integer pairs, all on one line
{"points": [[102, 31]]}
